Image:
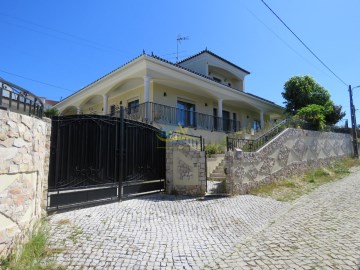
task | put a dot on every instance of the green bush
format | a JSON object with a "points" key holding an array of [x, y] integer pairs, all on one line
{"points": [[51, 112], [313, 114], [213, 149]]}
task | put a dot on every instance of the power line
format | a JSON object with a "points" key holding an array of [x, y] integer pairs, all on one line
{"points": [[94, 44], [33, 80], [307, 47], [282, 40]]}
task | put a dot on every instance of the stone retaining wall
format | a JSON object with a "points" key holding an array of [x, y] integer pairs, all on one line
{"points": [[24, 164], [291, 152], [185, 170]]}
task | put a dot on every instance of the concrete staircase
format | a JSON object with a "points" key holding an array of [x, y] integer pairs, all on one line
{"points": [[218, 174], [216, 180]]}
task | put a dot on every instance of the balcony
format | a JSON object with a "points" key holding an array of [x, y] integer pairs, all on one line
{"points": [[17, 99], [157, 113]]}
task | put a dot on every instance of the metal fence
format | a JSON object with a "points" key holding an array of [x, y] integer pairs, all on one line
{"points": [[249, 145], [17, 99], [253, 145], [150, 112], [100, 158], [196, 142]]}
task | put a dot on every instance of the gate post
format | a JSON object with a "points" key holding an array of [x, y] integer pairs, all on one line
{"points": [[121, 155]]}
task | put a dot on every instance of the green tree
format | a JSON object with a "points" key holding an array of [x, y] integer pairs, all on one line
{"points": [[301, 91], [51, 112], [313, 114], [333, 116]]}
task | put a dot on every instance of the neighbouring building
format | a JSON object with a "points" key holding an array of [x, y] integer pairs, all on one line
{"points": [[204, 93]]}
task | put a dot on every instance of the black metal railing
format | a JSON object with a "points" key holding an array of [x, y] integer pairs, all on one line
{"points": [[253, 145], [150, 112], [17, 99], [100, 158], [197, 142]]}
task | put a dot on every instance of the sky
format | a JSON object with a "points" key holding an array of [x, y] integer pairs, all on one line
{"points": [[54, 48]]}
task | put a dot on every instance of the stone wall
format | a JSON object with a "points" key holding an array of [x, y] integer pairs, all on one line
{"points": [[24, 162], [185, 170], [291, 152]]}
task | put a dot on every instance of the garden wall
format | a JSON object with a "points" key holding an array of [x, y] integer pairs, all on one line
{"points": [[24, 163], [291, 152], [185, 170]]}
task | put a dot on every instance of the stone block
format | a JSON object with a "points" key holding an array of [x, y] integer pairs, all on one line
{"points": [[27, 136], [19, 142], [7, 142], [26, 158], [12, 124], [13, 168], [27, 120], [3, 136], [7, 154]]}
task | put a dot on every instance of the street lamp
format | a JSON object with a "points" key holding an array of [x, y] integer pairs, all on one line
{"points": [[353, 122]]}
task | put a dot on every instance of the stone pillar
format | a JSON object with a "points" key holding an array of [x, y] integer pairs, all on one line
{"points": [[105, 104], [262, 120], [147, 98], [78, 110], [219, 114]]}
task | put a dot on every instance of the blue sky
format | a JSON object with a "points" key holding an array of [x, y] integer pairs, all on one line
{"points": [[69, 44]]}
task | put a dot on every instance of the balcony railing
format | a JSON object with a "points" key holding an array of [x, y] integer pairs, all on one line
{"points": [[17, 99], [157, 113]]}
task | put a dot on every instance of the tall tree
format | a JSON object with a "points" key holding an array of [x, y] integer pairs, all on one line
{"points": [[302, 91]]}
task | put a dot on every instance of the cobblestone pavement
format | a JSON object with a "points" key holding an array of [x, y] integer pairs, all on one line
{"points": [[158, 231], [320, 231]]}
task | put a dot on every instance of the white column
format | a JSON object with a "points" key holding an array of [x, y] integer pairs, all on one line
{"points": [[105, 104], [220, 109], [146, 88], [262, 119], [147, 97], [219, 114], [78, 110]]}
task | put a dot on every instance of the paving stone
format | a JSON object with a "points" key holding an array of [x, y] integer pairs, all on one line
{"points": [[318, 231]]}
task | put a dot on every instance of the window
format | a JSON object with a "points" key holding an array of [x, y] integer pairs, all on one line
{"points": [[215, 119], [234, 126], [112, 110], [133, 106], [226, 120], [256, 125], [185, 114]]}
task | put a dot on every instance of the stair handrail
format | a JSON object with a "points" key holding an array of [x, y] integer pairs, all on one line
{"points": [[253, 145]]}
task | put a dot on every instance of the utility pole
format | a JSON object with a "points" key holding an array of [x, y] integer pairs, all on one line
{"points": [[353, 123], [178, 41]]}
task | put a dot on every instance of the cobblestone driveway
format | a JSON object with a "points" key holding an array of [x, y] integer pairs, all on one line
{"points": [[318, 231], [158, 231]]}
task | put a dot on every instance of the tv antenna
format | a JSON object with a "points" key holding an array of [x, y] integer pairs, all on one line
{"points": [[178, 41]]}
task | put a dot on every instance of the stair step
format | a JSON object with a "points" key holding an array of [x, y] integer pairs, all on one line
{"points": [[217, 178], [217, 174]]}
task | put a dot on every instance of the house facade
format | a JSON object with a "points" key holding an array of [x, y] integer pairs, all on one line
{"points": [[204, 93]]}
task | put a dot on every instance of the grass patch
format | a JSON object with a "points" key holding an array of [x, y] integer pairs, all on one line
{"points": [[64, 221], [32, 254], [296, 186], [77, 231]]}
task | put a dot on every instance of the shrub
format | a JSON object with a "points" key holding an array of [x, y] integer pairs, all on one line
{"points": [[313, 114], [51, 112], [213, 148]]}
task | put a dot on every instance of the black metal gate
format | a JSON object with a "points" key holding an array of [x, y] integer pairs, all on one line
{"points": [[96, 159]]}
